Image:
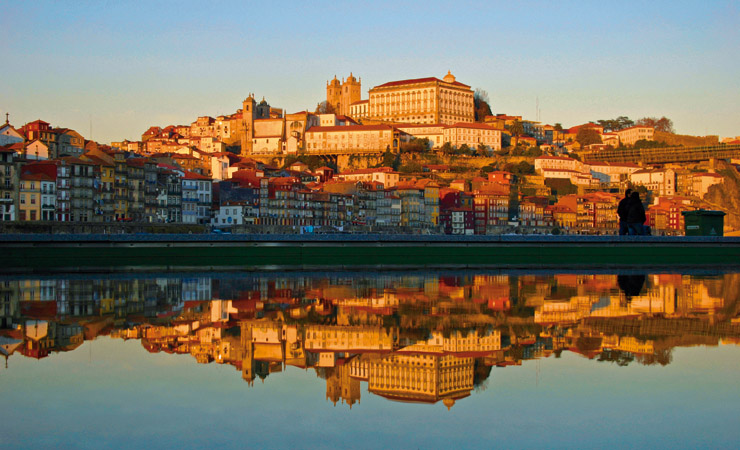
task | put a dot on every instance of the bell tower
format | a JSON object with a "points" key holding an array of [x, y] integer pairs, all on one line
{"points": [[248, 116], [334, 94], [351, 93]]}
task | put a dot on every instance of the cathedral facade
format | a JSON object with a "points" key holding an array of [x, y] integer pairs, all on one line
{"points": [[341, 95]]}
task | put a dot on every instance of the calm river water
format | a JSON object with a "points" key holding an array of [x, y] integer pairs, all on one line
{"points": [[371, 360]]}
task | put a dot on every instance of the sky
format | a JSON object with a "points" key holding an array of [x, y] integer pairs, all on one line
{"points": [[111, 69]]}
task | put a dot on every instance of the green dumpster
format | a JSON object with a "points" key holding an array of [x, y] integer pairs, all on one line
{"points": [[704, 222]]}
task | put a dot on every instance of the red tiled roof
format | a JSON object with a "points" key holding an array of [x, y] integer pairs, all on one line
{"points": [[375, 170], [75, 160], [12, 148], [37, 121], [195, 176], [560, 170], [560, 158], [707, 174], [168, 166], [418, 81], [38, 176], [477, 126], [418, 125], [611, 164], [635, 126], [350, 128]]}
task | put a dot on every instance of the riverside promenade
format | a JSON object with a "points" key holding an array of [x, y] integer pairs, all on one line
{"points": [[148, 252]]}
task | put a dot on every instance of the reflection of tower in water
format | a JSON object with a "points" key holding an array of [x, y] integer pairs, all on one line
{"points": [[341, 386]]}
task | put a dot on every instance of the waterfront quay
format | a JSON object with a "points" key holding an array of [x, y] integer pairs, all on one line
{"points": [[24, 253]]}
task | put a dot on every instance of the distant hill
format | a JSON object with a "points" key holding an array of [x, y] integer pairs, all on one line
{"points": [[685, 140]]}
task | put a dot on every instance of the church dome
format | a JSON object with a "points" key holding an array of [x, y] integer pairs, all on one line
{"points": [[449, 78]]}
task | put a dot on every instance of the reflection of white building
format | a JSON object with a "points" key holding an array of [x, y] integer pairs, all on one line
{"points": [[629, 344], [458, 342], [558, 311], [424, 378], [337, 338]]}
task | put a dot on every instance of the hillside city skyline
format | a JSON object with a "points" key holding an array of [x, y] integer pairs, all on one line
{"points": [[111, 71], [224, 110]]}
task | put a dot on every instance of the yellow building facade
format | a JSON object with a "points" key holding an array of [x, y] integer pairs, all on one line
{"points": [[353, 138], [422, 100]]}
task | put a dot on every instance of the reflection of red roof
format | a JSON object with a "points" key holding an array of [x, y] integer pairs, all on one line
{"points": [[39, 310]]}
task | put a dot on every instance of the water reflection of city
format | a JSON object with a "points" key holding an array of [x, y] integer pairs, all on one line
{"points": [[412, 337]]}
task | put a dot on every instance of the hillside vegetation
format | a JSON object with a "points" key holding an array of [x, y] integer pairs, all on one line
{"points": [[685, 140], [725, 196]]}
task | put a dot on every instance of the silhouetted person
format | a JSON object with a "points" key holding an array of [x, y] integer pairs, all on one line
{"points": [[631, 285], [622, 209], [636, 215]]}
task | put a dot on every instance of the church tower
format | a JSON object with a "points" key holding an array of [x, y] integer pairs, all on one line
{"points": [[341, 95], [334, 94], [351, 93], [248, 116]]}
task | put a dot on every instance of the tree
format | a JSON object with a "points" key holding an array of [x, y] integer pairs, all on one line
{"points": [[416, 145], [558, 127], [587, 136], [464, 150], [644, 143], [388, 158], [481, 105], [410, 167], [516, 129], [663, 124], [325, 108], [617, 124], [520, 168], [447, 148], [485, 170], [483, 149]]}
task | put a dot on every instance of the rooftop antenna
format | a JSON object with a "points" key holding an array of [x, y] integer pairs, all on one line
{"points": [[7, 118]]}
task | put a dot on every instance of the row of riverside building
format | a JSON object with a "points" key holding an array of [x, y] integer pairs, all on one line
{"points": [[107, 185]]}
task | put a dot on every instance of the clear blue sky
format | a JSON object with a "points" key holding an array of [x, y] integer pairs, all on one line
{"points": [[129, 65]]}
